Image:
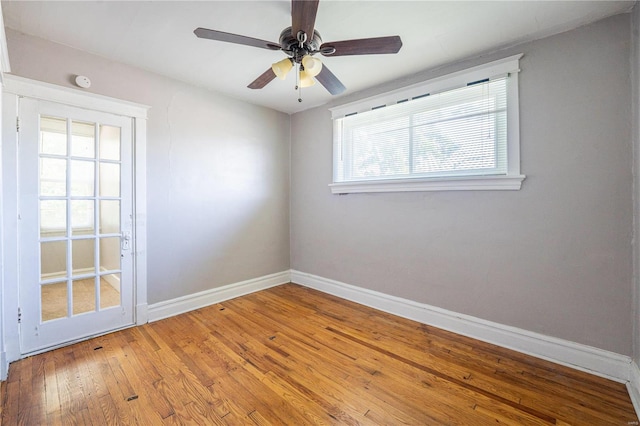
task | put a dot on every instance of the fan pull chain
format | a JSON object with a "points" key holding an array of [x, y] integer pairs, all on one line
{"points": [[298, 88]]}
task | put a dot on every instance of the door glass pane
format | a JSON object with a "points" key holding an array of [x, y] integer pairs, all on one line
{"points": [[83, 256], [53, 136], [109, 216], [53, 259], [82, 217], [53, 177], [110, 253], [53, 218], [53, 299], [82, 178], [109, 180], [84, 295], [109, 143], [83, 139], [109, 291]]}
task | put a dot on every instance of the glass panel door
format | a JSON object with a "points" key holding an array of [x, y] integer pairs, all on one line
{"points": [[77, 166]]}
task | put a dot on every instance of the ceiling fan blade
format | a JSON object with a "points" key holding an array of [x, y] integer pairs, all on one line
{"points": [[235, 38], [330, 81], [363, 46], [264, 79], [303, 16]]}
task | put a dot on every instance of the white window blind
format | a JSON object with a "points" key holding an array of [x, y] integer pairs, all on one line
{"points": [[457, 134], [461, 132]]}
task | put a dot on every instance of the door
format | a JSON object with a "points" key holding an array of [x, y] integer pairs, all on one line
{"points": [[75, 223]]}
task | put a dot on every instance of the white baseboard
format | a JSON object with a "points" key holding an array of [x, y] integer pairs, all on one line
{"points": [[581, 357], [142, 314], [4, 366], [633, 386], [169, 308], [76, 272], [112, 279]]}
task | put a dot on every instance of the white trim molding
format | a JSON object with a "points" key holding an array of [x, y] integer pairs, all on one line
{"points": [[435, 85], [633, 386], [73, 97], [475, 183], [4, 366], [4, 50], [366, 115], [580, 357], [179, 305], [140, 215]]}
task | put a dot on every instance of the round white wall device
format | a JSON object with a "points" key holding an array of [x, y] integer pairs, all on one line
{"points": [[83, 81]]}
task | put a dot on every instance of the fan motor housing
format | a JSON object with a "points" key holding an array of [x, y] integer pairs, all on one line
{"points": [[291, 46]]}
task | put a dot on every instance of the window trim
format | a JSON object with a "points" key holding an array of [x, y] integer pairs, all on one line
{"points": [[511, 181]]}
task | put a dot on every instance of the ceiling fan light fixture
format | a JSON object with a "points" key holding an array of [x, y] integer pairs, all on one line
{"points": [[312, 65], [306, 80], [300, 42], [282, 68]]}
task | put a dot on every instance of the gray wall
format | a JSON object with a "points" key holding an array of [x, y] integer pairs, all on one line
{"points": [[635, 84], [217, 171], [553, 258]]}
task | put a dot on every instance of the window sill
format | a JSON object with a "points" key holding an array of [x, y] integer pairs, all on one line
{"points": [[474, 183]]}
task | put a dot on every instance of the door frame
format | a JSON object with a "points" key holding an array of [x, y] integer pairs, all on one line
{"points": [[18, 87]]}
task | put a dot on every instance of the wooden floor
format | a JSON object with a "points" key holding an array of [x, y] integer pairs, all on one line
{"points": [[293, 356]]}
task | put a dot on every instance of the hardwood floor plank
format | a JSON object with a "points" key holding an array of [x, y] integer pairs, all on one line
{"points": [[94, 410], [289, 366], [3, 398], [110, 411], [315, 375], [295, 356], [481, 383], [302, 370], [354, 354], [71, 394], [248, 381], [11, 402]]}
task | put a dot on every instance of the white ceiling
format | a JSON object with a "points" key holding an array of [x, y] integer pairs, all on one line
{"points": [[158, 36]]}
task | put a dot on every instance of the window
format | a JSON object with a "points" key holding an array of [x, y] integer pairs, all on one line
{"points": [[457, 132]]}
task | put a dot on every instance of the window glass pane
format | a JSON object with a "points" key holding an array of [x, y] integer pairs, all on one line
{"points": [[109, 291], [109, 180], [460, 132], [447, 146], [53, 218], [82, 178], [82, 217], [110, 254], [84, 295], [53, 300], [83, 256], [380, 152], [53, 259], [109, 216], [53, 136], [83, 139], [109, 143], [53, 177]]}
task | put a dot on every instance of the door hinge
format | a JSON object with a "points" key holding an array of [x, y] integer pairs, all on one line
{"points": [[17, 124], [19, 315]]}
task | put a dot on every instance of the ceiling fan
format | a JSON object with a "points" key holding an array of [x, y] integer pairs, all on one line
{"points": [[300, 42]]}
